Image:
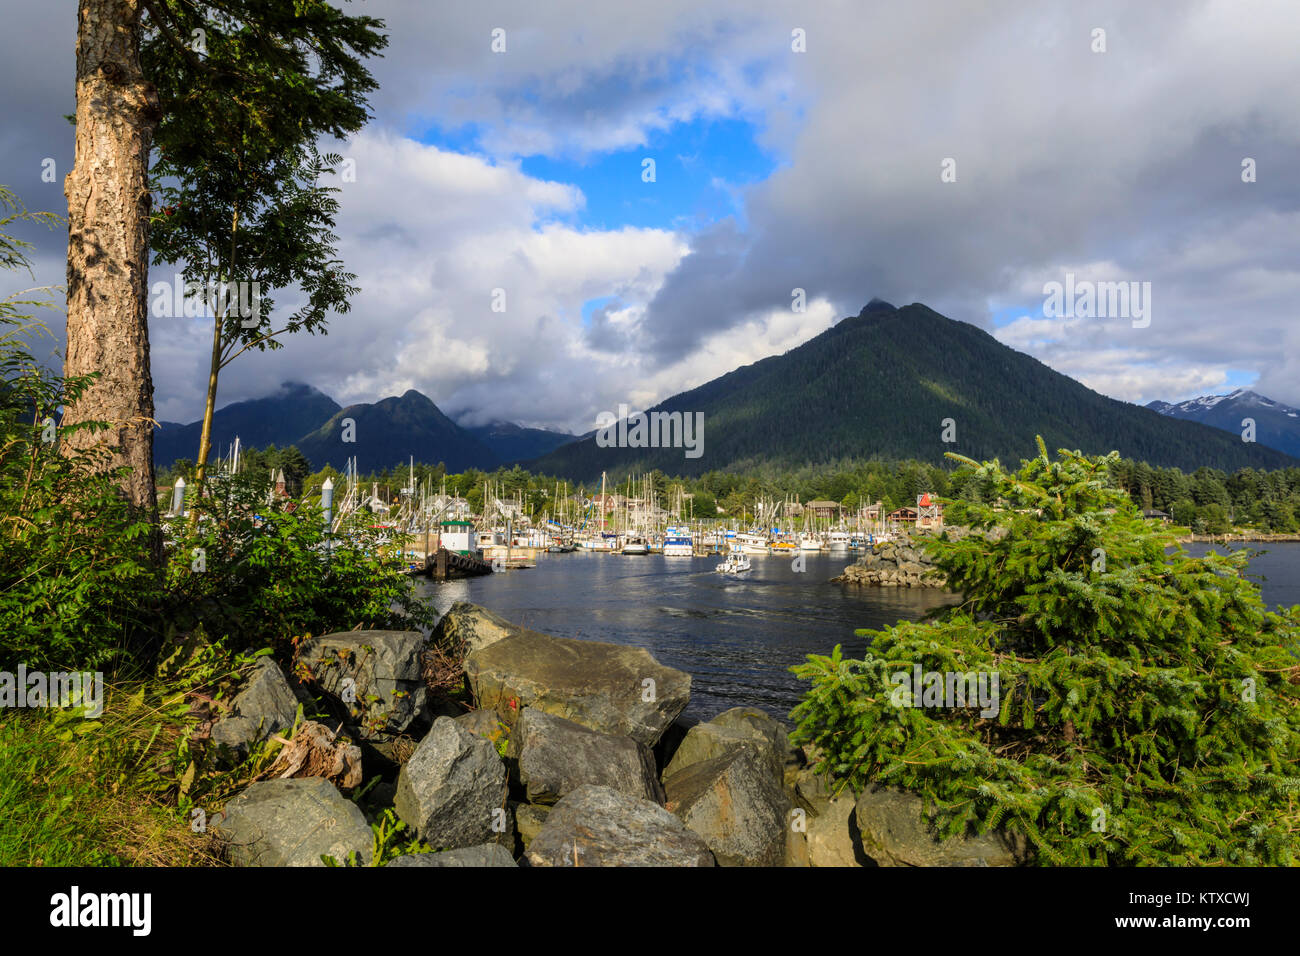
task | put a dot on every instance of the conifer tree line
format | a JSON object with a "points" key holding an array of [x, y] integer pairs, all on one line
{"points": [[1207, 501]]}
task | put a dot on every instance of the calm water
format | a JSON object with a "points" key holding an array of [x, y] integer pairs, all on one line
{"points": [[736, 637], [1277, 571]]}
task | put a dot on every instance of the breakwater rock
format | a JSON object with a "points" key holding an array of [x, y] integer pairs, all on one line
{"points": [[576, 756], [898, 563]]}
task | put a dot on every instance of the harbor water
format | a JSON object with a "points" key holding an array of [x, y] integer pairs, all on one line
{"points": [[737, 636]]}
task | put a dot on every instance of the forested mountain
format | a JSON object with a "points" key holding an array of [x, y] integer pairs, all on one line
{"points": [[277, 419], [390, 431], [882, 384], [511, 442], [300, 415], [1276, 425]]}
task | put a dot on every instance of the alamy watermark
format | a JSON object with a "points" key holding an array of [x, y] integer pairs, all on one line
{"points": [[133, 911], [55, 689], [1085, 299], [651, 430], [917, 688]]}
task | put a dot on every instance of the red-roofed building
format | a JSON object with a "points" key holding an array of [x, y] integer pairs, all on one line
{"points": [[929, 512]]}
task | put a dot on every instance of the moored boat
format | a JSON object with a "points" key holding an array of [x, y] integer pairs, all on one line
{"points": [[635, 545], [677, 543]]}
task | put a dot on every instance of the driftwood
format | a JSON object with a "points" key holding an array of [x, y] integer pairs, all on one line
{"points": [[315, 751]]}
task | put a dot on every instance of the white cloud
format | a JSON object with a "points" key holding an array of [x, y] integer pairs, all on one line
{"points": [[431, 236]]}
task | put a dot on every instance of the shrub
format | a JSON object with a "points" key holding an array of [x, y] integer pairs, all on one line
{"points": [[1147, 708], [263, 572]]}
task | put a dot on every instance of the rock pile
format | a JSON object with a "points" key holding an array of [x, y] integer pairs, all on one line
{"points": [[577, 757], [900, 563]]}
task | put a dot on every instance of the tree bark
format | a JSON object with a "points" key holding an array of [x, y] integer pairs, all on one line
{"points": [[108, 244]]}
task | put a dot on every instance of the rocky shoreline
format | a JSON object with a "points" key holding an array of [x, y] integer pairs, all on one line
{"points": [[900, 563], [903, 563], [576, 755]]}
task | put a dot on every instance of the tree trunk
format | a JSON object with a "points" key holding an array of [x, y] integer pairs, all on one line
{"points": [[209, 409], [214, 371], [108, 243]]}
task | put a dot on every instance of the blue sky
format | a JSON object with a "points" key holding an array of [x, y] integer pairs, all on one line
{"points": [[700, 166]]}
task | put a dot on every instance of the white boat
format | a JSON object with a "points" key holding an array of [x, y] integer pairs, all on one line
{"points": [[810, 542], [608, 541], [677, 543], [734, 563], [839, 541], [636, 545], [752, 543]]}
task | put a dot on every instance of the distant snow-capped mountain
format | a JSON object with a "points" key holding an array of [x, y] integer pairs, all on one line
{"points": [[1276, 425]]}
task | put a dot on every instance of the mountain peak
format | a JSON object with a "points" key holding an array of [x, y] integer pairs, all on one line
{"points": [[881, 387], [1277, 425]]}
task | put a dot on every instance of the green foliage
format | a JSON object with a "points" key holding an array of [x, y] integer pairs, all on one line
{"points": [[393, 838], [1148, 701], [72, 559], [267, 572], [265, 462], [500, 738], [237, 171], [1210, 501], [239, 179]]}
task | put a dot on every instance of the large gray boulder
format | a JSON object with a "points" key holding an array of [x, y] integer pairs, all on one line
{"points": [[488, 854], [292, 823], [555, 756], [377, 675], [265, 707], [608, 687], [473, 628], [894, 832], [453, 789], [740, 727], [598, 826], [736, 805]]}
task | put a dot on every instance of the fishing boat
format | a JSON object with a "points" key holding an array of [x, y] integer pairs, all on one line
{"points": [[734, 563], [677, 543], [635, 545], [458, 536], [810, 542], [752, 543], [839, 541]]}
